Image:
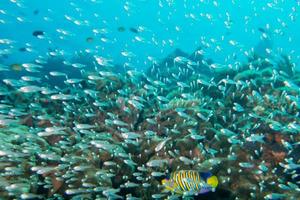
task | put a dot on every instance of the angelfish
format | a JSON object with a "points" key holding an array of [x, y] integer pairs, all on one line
{"points": [[190, 182]]}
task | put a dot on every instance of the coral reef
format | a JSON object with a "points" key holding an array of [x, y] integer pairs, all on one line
{"points": [[117, 134]]}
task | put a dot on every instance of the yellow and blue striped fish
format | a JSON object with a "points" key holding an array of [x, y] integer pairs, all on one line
{"points": [[191, 182]]}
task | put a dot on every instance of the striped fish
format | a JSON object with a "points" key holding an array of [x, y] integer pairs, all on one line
{"points": [[190, 182]]}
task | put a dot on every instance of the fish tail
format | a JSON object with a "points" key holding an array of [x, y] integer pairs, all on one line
{"points": [[166, 183]]}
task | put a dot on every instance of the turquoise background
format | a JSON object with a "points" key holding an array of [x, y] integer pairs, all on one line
{"points": [[158, 18]]}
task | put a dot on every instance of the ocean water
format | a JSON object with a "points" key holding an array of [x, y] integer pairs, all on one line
{"points": [[160, 99]]}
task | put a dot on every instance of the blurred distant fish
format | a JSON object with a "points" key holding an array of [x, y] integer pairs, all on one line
{"points": [[3, 68], [134, 30], [16, 67], [22, 49], [38, 33], [89, 39], [36, 12], [265, 44], [261, 30], [30, 89], [121, 29], [55, 73]]}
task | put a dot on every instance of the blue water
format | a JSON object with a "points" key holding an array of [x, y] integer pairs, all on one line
{"points": [[159, 18]]}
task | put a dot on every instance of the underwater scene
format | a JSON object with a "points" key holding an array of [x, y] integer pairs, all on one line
{"points": [[149, 99]]}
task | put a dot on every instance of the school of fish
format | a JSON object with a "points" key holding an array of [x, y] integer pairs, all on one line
{"points": [[187, 127]]}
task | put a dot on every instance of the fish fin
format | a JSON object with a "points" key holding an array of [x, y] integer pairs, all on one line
{"points": [[166, 183]]}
